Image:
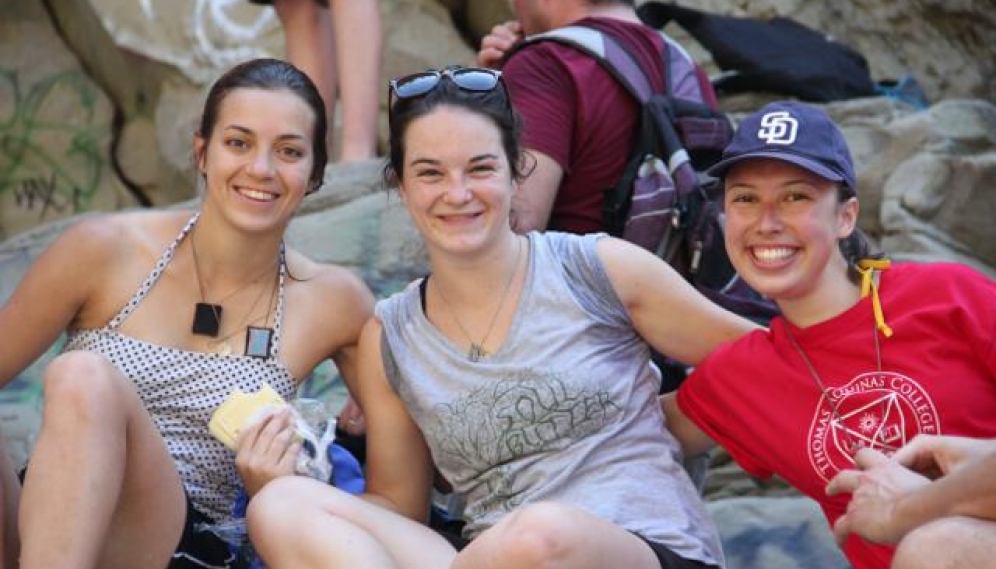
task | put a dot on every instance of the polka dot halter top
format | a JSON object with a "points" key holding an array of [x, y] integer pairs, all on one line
{"points": [[181, 389]]}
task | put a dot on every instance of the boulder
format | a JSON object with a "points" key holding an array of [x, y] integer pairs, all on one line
{"points": [[775, 533]]}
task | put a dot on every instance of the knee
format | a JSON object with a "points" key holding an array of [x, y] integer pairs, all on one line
{"points": [[79, 383], [270, 507], [937, 545], [538, 535], [282, 503]]}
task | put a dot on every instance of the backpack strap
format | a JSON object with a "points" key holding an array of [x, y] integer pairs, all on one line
{"points": [[606, 51]]}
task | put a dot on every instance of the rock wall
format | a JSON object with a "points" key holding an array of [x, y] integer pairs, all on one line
{"points": [[55, 127]]}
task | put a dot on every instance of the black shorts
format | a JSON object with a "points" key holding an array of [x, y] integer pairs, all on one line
{"points": [[667, 558], [671, 560], [200, 548]]}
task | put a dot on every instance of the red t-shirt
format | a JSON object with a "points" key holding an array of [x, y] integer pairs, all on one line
{"points": [[757, 399], [577, 114]]}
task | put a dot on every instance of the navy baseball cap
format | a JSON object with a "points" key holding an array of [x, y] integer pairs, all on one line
{"points": [[793, 132]]}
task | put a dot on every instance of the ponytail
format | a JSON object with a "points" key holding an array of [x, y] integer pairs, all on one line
{"points": [[857, 245]]}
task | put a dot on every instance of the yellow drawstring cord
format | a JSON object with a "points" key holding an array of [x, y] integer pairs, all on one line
{"points": [[867, 268]]}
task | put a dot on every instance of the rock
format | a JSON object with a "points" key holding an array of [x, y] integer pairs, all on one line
{"points": [[55, 130], [939, 200], [775, 533]]}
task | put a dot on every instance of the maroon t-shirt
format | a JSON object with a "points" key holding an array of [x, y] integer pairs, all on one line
{"points": [[577, 114]]}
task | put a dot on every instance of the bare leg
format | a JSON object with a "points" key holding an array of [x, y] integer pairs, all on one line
{"points": [[10, 494], [949, 543], [358, 50], [550, 536], [296, 522], [100, 479], [310, 46]]}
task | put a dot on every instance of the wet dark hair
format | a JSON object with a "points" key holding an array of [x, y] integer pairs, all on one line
{"points": [[857, 245], [493, 105], [272, 75]]}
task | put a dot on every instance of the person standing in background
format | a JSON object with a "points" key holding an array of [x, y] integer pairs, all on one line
{"points": [[338, 43]]}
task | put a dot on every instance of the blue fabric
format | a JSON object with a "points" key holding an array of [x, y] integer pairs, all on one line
{"points": [[347, 474]]}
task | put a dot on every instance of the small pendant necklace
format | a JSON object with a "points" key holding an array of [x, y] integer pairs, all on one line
{"points": [[476, 352], [207, 316]]}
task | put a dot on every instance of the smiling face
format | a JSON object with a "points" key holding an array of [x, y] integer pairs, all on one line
{"points": [[782, 228], [259, 157], [456, 182]]}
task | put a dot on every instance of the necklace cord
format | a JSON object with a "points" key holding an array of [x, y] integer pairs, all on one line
{"points": [[200, 284], [245, 321], [213, 329], [476, 351], [854, 446]]}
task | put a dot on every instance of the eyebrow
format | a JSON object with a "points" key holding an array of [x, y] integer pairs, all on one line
{"points": [[487, 156], [473, 159], [244, 130]]}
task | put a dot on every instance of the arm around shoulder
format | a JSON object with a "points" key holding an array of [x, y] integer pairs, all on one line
{"points": [[666, 311]]}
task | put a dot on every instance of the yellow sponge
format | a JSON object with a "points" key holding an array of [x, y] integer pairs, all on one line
{"points": [[237, 412]]}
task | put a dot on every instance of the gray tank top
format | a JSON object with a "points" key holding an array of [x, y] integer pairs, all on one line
{"points": [[181, 389], [565, 410]]}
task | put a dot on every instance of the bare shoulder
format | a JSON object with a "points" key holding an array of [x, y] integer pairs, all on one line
{"points": [[329, 293], [109, 239], [95, 264], [326, 281]]}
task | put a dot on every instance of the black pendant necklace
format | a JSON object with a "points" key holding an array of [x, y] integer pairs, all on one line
{"points": [[207, 319], [207, 316]]}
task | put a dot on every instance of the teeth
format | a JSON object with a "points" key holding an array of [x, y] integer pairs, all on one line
{"points": [[256, 194], [772, 253]]}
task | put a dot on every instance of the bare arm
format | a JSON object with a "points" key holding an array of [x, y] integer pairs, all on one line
{"points": [[672, 317], [53, 292], [534, 197], [399, 468], [269, 448], [666, 311], [693, 440]]}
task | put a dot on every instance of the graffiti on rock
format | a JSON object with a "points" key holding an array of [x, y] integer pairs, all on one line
{"points": [[50, 144]]}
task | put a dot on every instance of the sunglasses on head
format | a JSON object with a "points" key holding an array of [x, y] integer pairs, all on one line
{"points": [[475, 79], [467, 78]]}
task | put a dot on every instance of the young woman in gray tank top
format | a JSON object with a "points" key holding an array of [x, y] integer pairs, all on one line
{"points": [[519, 371], [167, 312]]}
